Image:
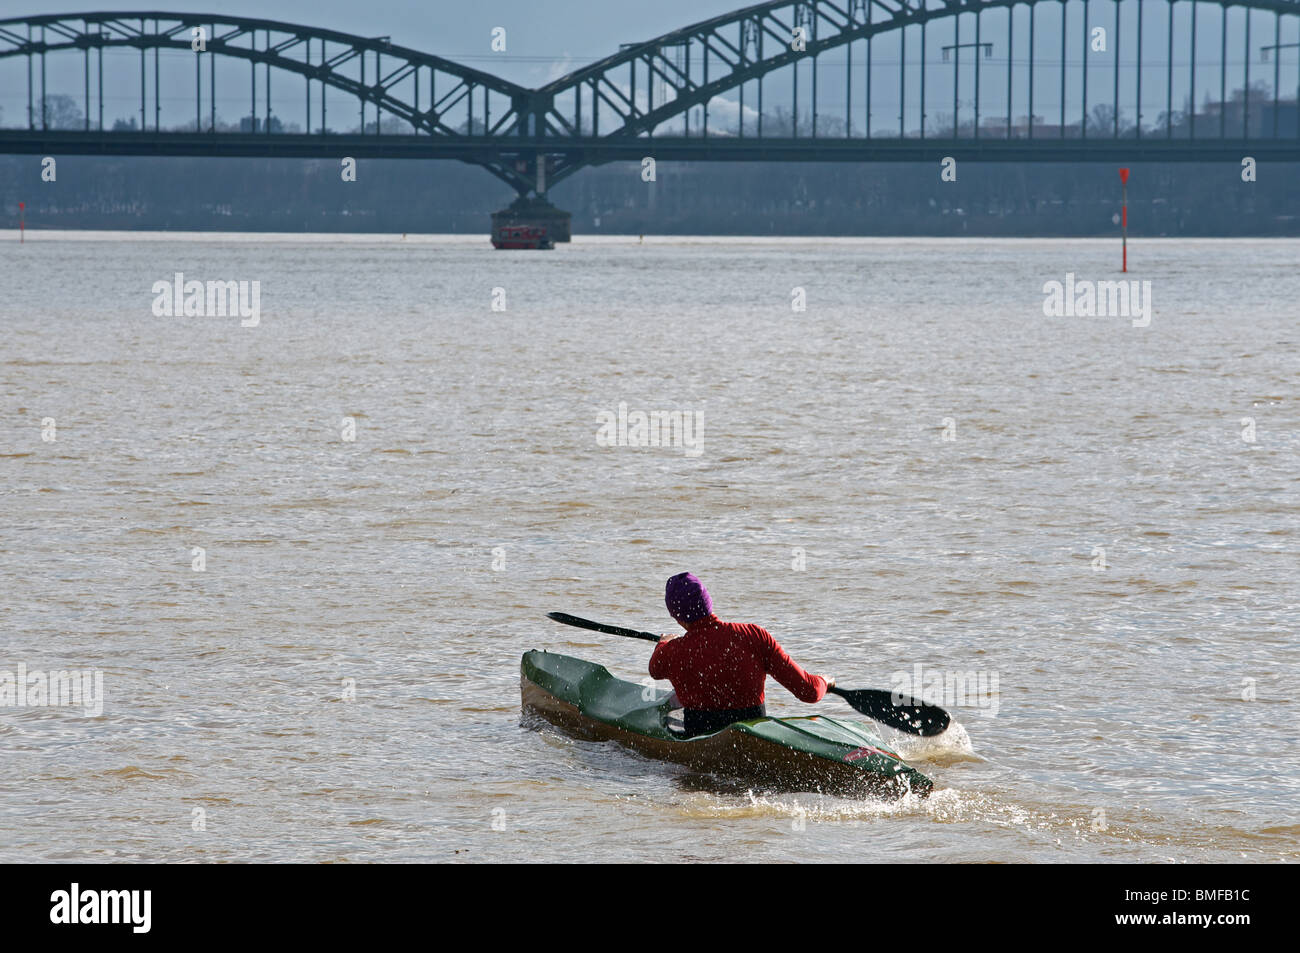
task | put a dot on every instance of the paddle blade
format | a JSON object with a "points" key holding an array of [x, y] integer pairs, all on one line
{"points": [[909, 715], [580, 623]]}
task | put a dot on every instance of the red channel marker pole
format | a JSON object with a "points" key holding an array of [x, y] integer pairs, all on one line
{"points": [[1123, 177]]}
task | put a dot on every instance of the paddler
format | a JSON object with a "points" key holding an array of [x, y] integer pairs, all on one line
{"points": [[719, 669]]}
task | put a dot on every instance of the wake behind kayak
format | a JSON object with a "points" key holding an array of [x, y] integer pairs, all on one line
{"points": [[814, 753]]}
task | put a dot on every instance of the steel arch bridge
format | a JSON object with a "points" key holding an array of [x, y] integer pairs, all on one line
{"points": [[792, 79]]}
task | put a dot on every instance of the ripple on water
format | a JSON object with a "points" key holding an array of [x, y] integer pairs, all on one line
{"points": [[342, 678]]}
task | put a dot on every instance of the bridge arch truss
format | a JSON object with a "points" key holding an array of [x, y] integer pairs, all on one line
{"points": [[816, 80]]}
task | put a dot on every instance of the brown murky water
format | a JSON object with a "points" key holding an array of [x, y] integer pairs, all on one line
{"points": [[921, 468]]}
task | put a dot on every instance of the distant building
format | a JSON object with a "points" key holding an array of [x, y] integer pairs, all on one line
{"points": [[1230, 116], [257, 124]]}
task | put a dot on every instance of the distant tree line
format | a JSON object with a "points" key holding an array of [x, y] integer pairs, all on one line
{"points": [[687, 198]]}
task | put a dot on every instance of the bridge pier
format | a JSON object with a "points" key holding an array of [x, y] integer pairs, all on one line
{"points": [[534, 211]]}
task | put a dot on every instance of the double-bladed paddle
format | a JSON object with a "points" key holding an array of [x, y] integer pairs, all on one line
{"points": [[906, 714]]}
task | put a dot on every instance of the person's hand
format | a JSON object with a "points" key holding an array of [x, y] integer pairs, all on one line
{"points": [[830, 681], [668, 637]]}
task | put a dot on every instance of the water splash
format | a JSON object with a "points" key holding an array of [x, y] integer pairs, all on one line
{"points": [[952, 747]]}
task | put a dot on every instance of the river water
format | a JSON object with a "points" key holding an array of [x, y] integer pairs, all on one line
{"points": [[386, 483]]}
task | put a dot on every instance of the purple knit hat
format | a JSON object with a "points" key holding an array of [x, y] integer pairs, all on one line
{"points": [[687, 599]]}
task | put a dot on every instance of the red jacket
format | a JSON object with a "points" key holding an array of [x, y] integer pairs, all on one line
{"points": [[720, 665]]}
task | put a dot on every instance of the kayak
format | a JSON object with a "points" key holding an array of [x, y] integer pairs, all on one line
{"points": [[812, 753]]}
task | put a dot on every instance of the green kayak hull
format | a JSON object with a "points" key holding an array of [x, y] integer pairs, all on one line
{"points": [[792, 754]]}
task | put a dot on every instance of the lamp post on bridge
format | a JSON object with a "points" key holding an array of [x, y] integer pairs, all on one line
{"points": [[1277, 48], [956, 68]]}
